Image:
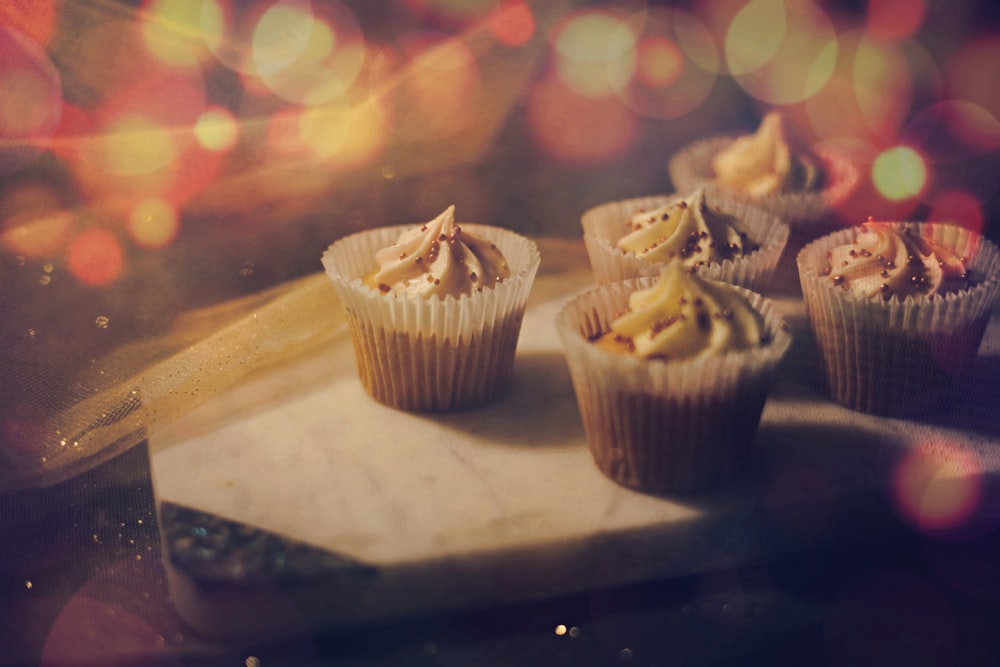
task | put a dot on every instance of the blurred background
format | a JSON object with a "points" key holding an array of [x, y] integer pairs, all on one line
{"points": [[163, 156]]}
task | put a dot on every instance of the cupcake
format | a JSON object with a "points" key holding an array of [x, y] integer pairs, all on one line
{"points": [[898, 309], [671, 374], [723, 239], [434, 310], [802, 185]]}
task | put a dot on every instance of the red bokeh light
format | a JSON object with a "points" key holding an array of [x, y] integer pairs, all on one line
{"points": [[958, 207], [95, 257], [512, 22], [579, 129], [895, 19], [34, 18]]}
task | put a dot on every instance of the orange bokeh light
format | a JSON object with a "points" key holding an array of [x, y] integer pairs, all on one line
{"points": [[95, 257], [936, 486]]}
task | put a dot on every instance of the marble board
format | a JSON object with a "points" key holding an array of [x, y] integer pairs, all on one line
{"points": [[293, 499]]}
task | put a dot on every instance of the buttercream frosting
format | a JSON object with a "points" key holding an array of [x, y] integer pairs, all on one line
{"points": [[889, 260], [438, 258], [764, 163], [683, 316], [688, 231]]}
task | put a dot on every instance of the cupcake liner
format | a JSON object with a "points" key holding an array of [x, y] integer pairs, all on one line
{"points": [[803, 211], [662, 426], [433, 354], [880, 356], [604, 225]]}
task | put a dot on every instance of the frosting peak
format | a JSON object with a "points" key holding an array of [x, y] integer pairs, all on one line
{"points": [[764, 163], [438, 258], [887, 260], [687, 230], [683, 316]]}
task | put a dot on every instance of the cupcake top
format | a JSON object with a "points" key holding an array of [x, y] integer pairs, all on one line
{"points": [[887, 260], [687, 231], [764, 163], [438, 259], [685, 317]]}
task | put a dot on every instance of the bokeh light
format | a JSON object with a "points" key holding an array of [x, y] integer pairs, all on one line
{"points": [[458, 12], [895, 19], [33, 222], [899, 173], [34, 18], [329, 61], [95, 257], [781, 51], [936, 486], [31, 103], [216, 129], [441, 84], [594, 52], [579, 129], [673, 65], [969, 75], [172, 31], [256, 37], [957, 207], [512, 22], [153, 223]]}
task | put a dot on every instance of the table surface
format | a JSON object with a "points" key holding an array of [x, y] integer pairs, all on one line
{"points": [[296, 478]]}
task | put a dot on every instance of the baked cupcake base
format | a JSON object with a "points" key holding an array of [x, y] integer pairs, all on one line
{"points": [[881, 357], [432, 354], [660, 426]]}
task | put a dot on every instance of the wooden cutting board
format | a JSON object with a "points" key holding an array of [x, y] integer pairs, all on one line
{"points": [[295, 500]]}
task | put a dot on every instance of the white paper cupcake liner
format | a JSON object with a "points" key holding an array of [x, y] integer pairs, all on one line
{"points": [[604, 225], [804, 212], [662, 426], [433, 354], [880, 356]]}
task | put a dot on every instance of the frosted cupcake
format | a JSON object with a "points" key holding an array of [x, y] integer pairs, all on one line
{"points": [[801, 185], [671, 375], [898, 309], [434, 310], [722, 239]]}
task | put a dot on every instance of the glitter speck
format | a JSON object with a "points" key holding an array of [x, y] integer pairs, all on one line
{"points": [[28, 584], [560, 630], [625, 654], [252, 661], [102, 321]]}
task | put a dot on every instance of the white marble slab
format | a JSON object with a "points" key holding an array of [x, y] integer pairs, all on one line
{"points": [[504, 503]]}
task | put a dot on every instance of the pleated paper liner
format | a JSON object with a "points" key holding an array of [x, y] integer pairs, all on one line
{"points": [[881, 357], [434, 354], [666, 426]]}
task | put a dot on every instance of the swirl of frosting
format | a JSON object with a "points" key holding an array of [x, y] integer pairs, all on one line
{"points": [[891, 260], [764, 163], [688, 231], [439, 259], [683, 316]]}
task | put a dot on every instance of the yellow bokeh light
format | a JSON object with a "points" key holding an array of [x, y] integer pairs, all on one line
{"points": [[172, 31], [25, 105], [755, 35], [135, 145], [344, 136], [595, 53], [781, 51], [899, 173], [216, 129], [153, 223], [281, 36]]}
